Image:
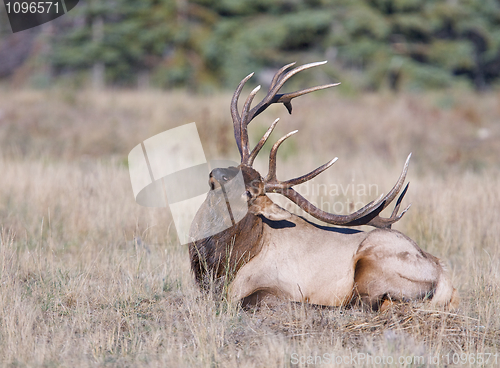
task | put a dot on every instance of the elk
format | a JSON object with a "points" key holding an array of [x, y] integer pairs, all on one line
{"points": [[271, 251]]}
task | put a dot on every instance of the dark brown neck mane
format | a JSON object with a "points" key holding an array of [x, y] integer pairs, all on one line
{"points": [[225, 253]]}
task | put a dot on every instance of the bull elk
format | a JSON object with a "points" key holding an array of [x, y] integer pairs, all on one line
{"points": [[273, 252]]}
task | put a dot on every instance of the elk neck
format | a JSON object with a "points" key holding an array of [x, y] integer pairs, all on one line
{"points": [[226, 252]]}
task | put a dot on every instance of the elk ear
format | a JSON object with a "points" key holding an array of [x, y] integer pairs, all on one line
{"points": [[262, 205]]}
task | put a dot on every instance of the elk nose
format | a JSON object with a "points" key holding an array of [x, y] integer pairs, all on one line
{"points": [[212, 182]]}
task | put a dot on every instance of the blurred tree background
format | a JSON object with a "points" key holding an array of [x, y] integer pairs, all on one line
{"points": [[205, 45]]}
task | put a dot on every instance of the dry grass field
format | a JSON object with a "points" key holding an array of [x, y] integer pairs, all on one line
{"points": [[88, 278]]}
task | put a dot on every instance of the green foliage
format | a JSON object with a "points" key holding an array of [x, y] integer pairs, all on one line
{"points": [[451, 54], [205, 44]]}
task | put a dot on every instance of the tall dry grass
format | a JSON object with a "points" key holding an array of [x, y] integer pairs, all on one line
{"points": [[89, 278]]}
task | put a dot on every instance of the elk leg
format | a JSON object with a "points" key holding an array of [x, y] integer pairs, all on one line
{"points": [[368, 288], [389, 265], [248, 281], [377, 281]]}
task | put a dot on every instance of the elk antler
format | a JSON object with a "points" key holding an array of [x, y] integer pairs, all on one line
{"points": [[240, 122], [368, 215]]}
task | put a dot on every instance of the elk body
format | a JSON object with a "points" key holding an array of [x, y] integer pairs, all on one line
{"points": [[273, 252]]}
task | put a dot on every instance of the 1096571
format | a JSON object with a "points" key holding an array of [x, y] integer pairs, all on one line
{"points": [[25, 14], [42, 7]]}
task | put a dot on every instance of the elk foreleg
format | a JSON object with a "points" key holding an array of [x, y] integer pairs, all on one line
{"points": [[252, 283]]}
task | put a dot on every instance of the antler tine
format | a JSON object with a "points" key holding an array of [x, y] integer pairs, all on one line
{"points": [[385, 201], [394, 216], [373, 218], [381, 222], [271, 175], [286, 98], [279, 74], [273, 187], [261, 143], [234, 102], [398, 204], [245, 152], [235, 114], [278, 82]]}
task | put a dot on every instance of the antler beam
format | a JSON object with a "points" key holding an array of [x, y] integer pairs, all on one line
{"points": [[368, 215]]}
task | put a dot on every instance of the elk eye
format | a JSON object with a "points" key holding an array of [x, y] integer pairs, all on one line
{"points": [[249, 195]]}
